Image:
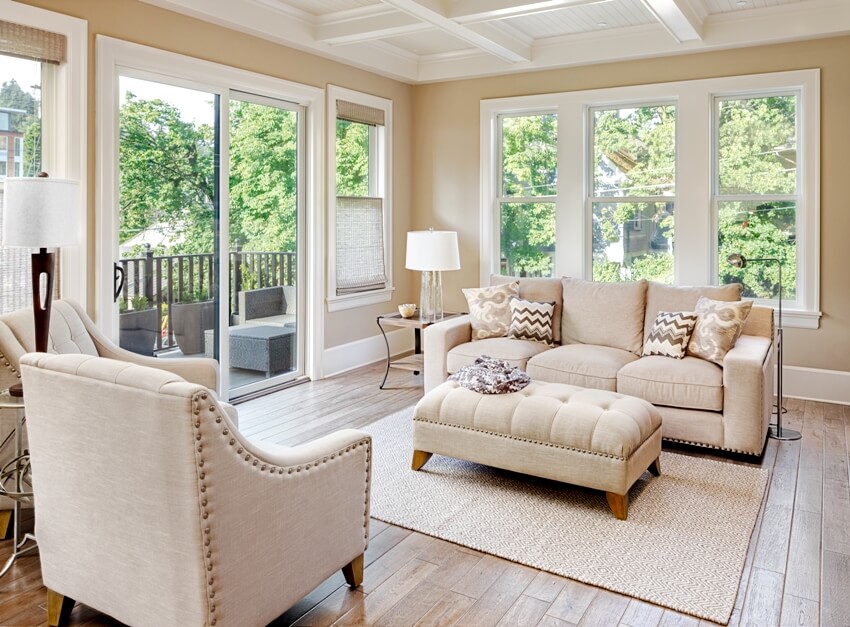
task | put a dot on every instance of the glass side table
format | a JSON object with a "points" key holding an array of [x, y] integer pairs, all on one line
{"points": [[13, 479]]}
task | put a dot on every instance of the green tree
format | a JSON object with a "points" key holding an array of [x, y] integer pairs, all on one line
{"points": [[352, 158], [12, 96], [263, 177], [166, 174], [529, 169]]}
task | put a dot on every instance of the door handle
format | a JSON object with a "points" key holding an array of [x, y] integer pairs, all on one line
{"points": [[119, 282]]}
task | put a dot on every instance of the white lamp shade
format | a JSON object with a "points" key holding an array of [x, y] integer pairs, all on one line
{"points": [[40, 212], [432, 250]]}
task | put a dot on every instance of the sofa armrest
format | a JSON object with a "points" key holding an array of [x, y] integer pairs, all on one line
{"points": [[747, 393], [439, 339]]}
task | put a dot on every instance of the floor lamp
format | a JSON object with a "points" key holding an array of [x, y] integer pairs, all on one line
{"points": [[41, 212], [432, 252], [777, 432]]}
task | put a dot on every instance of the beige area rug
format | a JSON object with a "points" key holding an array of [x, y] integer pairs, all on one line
{"points": [[682, 547]]}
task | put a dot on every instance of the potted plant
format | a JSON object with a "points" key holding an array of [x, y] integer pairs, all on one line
{"points": [[139, 325], [193, 314]]}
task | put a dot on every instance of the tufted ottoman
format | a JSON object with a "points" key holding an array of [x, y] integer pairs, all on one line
{"points": [[592, 438]]}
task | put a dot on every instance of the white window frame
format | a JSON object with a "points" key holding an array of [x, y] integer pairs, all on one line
{"points": [[695, 259], [64, 128], [380, 163], [115, 58]]}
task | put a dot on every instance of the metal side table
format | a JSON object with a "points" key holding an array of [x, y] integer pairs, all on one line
{"points": [[12, 480]]}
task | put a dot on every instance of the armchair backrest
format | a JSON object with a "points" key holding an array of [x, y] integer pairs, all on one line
{"points": [[68, 334], [118, 480]]}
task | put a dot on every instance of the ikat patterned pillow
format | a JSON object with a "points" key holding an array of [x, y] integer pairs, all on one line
{"points": [[719, 324], [670, 334], [490, 309], [531, 320]]}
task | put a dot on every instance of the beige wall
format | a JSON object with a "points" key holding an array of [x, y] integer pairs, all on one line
{"points": [[446, 161], [141, 23]]}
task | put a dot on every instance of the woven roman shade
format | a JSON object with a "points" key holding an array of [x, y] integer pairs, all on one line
{"points": [[359, 244], [354, 112], [32, 43]]}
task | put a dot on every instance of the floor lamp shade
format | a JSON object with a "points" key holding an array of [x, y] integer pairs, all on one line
{"points": [[41, 213], [432, 252]]}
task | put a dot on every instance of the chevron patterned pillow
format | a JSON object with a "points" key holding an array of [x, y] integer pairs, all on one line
{"points": [[532, 321], [670, 334]]}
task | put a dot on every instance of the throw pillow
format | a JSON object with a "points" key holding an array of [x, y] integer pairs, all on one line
{"points": [[670, 334], [719, 324], [531, 320], [490, 309]]}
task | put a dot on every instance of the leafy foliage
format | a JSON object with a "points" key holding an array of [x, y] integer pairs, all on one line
{"points": [[352, 158], [28, 123]]}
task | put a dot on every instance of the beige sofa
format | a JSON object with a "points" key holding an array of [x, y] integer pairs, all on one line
{"points": [[599, 330]]}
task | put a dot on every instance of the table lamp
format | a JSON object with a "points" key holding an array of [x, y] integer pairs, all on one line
{"points": [[41, 212], [432, 252], [777, 432]]}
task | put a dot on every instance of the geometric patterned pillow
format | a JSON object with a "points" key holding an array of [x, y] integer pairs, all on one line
{"points": [[719, 324], [489, 309], [670, 334], [532, 321]]}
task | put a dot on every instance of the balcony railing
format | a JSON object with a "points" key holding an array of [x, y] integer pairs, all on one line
{"points": [[168, 279]]}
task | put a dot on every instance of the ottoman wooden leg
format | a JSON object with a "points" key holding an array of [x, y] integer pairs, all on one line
{"points": [[619, 504], [419, 459], [5, 524], [655, 467]]}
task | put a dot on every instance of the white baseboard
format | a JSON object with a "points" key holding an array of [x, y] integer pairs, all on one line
{"points": [[345, 357], [814, 384]]}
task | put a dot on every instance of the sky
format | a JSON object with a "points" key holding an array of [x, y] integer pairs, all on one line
{"points": [[26, 73], [194, 106]]}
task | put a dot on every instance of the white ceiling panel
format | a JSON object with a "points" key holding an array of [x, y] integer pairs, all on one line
{"points": [[432, 40], [322, 7], [582, 19], [428, 43], [727, 6]]}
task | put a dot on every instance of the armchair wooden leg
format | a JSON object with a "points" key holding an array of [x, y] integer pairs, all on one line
{"points": [[655, 467], [353, 571], [619, 504], [5, 524], [58, 608], [419, 459]]}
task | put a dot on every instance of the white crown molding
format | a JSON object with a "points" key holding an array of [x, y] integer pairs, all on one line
{"points": [[498, 48]]}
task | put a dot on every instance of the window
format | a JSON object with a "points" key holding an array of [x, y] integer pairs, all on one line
{"points": [[755, 193], [660, 182], [528, 184], [360, 262], [43, 62], [632, 192]]}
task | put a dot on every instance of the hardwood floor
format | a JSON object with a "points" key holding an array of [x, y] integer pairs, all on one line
{"points": [[797, 570]]}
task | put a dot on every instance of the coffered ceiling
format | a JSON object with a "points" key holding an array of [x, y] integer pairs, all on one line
{"points": [[432, 40]]}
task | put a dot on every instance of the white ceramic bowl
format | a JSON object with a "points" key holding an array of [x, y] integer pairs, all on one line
{"points": [[407, 310]]}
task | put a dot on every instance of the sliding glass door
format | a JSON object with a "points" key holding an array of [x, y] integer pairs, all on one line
{"points": [[207, 241]]}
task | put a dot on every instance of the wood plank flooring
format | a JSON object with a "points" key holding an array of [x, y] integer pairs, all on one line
{"points": [[797, 570]]}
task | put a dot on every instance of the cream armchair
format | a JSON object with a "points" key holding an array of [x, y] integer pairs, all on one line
{"points": [[152, 508], [72, 331]]}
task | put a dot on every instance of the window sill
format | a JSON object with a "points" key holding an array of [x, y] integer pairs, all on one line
{"points": [[351, 301], [799, 319]]}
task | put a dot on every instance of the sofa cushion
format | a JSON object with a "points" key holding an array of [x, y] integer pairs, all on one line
{"points": [[490, 310], [690, 383], [531, 320], [542, 290], [607, 314], [663, 297], [515, 352], [584, 365], [719, 325], [670, 334]]}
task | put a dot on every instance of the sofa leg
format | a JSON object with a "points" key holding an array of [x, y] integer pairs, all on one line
{"points": [[5, 524], [619, 504], [58, 608], [655, 467], [353, 572], [419, 459]]}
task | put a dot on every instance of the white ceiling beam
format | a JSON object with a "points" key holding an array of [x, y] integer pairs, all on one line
{"points": [[387, 22], [471, 11], [677, 17], [481, 36]]}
